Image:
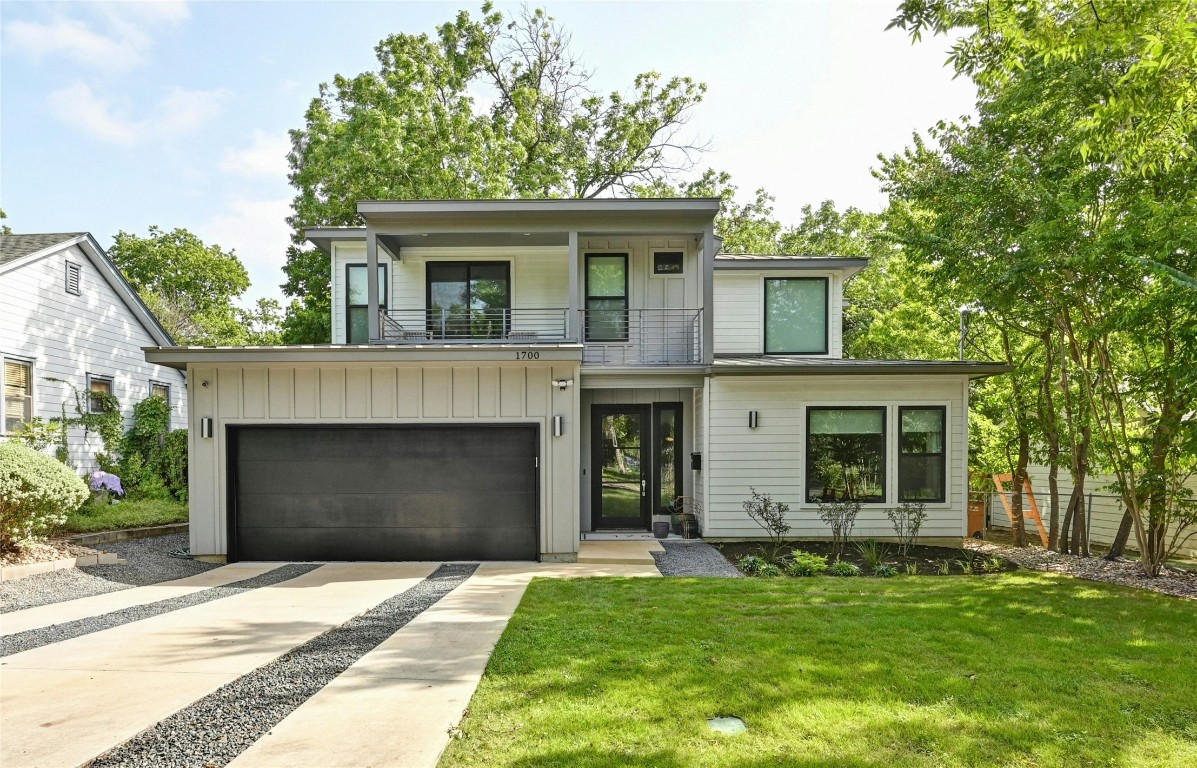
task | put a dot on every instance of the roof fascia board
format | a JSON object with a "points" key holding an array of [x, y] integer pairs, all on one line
{"points": [[180, 357], [124, 290], [29, 258], [457, 207], [766, 264], [973, 370]]}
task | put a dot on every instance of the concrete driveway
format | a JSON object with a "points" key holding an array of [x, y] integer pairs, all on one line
{"points": [[352, 664]]}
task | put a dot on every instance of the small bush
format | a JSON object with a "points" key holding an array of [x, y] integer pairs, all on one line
{"points": [[806, 564], [966, 565], [36, 494], [945, 567], [912, 569], [770, 515], [769, 571], [907, 518], [750, 564], [872, 552], [885, 571], [993, 564], [840, 516], [843, 568]]}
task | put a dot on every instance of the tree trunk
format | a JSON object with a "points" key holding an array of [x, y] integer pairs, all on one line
{"points": [[1052, 433], [1124, 531], [1018, 528]]}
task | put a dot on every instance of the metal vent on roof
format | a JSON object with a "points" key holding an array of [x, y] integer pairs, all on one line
{"points": [[72, 278]]}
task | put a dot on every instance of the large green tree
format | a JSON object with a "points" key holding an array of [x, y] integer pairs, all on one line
{"points": [[414, 129]]}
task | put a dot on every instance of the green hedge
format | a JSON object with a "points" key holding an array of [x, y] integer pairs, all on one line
{"points": [[36, 494]]}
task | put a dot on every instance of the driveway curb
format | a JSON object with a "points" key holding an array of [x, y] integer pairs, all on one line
{"points": [[125, 534], [11, 572]]}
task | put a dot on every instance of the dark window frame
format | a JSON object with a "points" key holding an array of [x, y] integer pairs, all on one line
{"points": [[382, 299], [658, 445], [91, 403], [626, 291], [826, 315], [467, 264], [942, 454], [884, 409], [76, 270], [681, 262]]}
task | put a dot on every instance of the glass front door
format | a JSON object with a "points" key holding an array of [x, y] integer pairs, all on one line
{"points": [[635, 463]]}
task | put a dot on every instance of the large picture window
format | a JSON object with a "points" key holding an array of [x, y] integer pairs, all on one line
{"points": [[469, 299], [921, 460], [796, 316], [607, 297], [845, 454], [357, 301], [18, 394]]}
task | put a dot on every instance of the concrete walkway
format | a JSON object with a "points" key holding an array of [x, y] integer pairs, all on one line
{"points": [[65, 703]]}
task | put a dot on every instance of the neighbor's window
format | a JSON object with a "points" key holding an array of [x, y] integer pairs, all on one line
{"points": [[796, 316], [667, 263], [18, 394], [921, 461], [72, 278], [845, 454], [357, 302], [160, 390], [607, 297], [97, 385]]}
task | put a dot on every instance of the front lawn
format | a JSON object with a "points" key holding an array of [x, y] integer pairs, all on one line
{"points": [[1019, 669], [126, 514]]}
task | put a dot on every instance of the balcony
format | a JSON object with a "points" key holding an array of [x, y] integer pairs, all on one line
{"points": [[611, 337]]}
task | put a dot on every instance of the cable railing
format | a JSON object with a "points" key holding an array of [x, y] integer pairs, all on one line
{"points": [[473, 326], [641, 336]]}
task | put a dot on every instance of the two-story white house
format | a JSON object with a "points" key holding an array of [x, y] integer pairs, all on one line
{"points": [[69, 319], [505, 375]]}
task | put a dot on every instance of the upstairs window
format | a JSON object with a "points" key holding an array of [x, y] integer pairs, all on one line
{"points": [[18, 394], [73, 274], [922, 460], [607, 297], [796, 315], [469, 298], [845, 454], [158, 389], [357, 302]]}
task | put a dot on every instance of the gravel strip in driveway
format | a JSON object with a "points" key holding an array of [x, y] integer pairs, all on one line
{"points": [[216, 729], [148, 563], [56, 633], [693, 558]]}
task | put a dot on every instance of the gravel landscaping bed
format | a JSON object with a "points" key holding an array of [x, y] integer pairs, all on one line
{"points": [[56, 633], [693, 558], [1127, 573], [148, 563], [217, 728]]}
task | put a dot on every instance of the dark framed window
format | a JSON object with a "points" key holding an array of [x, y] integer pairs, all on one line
{"points": [[158, 389], [845, 453], [469, 298], [667, 263], [73, 278], [667, 434], [357, 301], [922, 457], [606, 297], [796, 315], [18, 393], [97, 385]]}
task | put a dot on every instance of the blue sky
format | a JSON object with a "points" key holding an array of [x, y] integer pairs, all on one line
{"points": [[117, 116]]}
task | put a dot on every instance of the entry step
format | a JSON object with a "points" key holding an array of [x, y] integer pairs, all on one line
{"points": [[627, 552]]}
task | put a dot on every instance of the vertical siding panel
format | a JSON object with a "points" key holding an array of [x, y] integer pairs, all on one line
{"points": [[538, 391], [280, 382], [204, 509], [254, 384], [488, 392], [511, 398], [409, 393], [307, 393], [437, 387], [465, 392], [228, 399], [332, 393], [382, 393], [357, 392]]}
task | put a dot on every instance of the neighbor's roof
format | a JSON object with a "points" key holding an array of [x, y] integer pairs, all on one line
{"points": [[13, 247], [828, 366]]}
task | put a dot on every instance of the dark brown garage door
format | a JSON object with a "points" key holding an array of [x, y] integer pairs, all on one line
{"points": [[383, 493]]}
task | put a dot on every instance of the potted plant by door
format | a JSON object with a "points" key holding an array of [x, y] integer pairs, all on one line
{"points": [[662, 523], [688, 508]]}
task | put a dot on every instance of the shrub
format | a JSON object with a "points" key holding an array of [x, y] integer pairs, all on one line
{"points": [[843, 568], [841, 517], [993, 564], [885, 571], [806, 564], [771, 516], [872, 552], [769, 571], [750, 564], [945, 567], [966, 564], [907, 519], [36, 494], [912, 569], [154, 458]]}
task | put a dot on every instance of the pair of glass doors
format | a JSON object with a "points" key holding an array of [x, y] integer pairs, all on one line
{"points": [[636, 463]]}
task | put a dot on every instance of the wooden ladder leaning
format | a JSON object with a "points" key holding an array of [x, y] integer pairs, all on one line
{"points": [[1029, 512]]}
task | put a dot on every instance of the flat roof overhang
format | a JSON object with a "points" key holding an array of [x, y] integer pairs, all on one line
{"points": [[769, 365], [336, 354]]}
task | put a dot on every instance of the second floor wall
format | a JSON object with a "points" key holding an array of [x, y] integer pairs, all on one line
{"points": [[779, 312]]}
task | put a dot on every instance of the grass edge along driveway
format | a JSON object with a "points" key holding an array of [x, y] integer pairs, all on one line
{"points": [[1019, 669]]}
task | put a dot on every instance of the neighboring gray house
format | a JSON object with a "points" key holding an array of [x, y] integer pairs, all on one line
{"points": [[66, 313], [520, 372]]}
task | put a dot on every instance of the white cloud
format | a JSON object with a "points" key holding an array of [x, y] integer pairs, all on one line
{"points": [[265, 158], [178, 111], [122, 42], [257, 230]]}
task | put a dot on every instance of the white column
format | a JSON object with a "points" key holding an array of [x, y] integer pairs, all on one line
{"points": [[371, 282], [574, 321], [708, 294]]}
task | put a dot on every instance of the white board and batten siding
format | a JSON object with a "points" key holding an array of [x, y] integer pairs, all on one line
{"points": [[772, 459], [69, 337], [397, 393], [740, 310]]}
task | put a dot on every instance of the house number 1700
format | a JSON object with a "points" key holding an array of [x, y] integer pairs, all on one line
{"points": [[527, 355]]}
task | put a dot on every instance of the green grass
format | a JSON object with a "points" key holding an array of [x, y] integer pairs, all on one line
{"points": [[126, 514], [1003, 670]]}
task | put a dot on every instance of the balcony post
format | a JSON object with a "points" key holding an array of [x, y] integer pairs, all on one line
{"points": [[572, 317], [708, 294], [372, 283]]}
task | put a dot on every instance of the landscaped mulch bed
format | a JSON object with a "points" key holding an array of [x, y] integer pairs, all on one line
{"points": [[1128, 573], [929, 560], [43, 551]]}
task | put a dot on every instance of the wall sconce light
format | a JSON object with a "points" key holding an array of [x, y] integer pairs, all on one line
{"points": [[558, 426], [563, 384], [753, 418], [206, 427]]}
